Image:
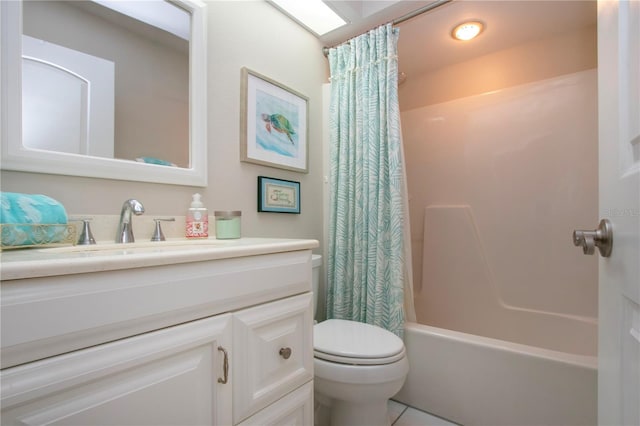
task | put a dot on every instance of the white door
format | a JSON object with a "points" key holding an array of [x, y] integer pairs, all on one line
{"points": [[67, 99], [619, 152]]}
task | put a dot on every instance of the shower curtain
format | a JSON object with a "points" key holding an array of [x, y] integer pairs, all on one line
{"points": [[369, 252]]}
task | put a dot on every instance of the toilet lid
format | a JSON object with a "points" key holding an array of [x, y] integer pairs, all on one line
{"points": [[352, 342]]}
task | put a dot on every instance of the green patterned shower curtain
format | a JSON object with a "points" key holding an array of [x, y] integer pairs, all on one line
{"points": [[369, 261]]}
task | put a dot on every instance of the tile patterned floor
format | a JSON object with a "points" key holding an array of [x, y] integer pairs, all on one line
{"points": [[401, 415]]}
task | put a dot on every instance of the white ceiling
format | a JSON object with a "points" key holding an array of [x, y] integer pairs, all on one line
{"points": [[425, 42]]}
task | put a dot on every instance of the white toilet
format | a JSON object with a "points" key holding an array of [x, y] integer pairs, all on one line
{"points": [[357, 368]]}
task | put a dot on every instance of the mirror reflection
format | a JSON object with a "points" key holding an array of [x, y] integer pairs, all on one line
{"points": [[103, 83]]}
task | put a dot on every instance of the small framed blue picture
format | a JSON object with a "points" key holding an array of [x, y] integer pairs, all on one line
{"points": [[278, 196]]}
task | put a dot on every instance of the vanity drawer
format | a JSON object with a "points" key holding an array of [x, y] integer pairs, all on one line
{"points": [[294, 409], [272, 352]]}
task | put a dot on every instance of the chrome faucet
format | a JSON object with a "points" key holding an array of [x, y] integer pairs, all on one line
{"points": [[125, 227]]}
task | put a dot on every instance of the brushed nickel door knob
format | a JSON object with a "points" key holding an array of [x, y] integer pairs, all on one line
{"points": [[602, 238]]}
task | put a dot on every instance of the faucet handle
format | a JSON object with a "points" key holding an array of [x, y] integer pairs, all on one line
{"points": [[86, 237], [157, 234]]}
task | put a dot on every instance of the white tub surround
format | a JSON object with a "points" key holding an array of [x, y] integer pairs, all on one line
{"points": [[509, 306], [498, 182], [217, 334]]}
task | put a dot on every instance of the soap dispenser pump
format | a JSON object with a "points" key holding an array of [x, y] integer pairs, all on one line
{"points": [[197, 219]]}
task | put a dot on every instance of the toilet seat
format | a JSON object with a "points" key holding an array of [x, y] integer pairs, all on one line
{"points": [[358, 361], [355, 343]]}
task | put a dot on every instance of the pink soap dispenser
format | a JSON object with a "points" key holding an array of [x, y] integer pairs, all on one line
{"points": [[197, 219]]}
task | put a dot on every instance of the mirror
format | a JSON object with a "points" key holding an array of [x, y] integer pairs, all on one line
{"points": [[91, 91]]}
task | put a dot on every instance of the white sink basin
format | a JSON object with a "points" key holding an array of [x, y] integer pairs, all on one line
{"points": [[141, 246]]}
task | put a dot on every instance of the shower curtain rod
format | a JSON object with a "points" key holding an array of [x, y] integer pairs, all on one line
{"points": [[403, 18]]}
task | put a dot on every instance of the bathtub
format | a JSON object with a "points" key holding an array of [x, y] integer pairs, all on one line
{"points": [[476, 380]]}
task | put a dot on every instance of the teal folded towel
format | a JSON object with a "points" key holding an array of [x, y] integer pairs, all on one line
{"points": [[31, 209], [153, 160]]}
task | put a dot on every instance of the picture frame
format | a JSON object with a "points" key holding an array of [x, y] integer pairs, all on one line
{"points": [[274, 121], [278, 195]]}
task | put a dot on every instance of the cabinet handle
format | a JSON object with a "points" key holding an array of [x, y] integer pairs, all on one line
{"points": [[285, 353], [225, 366]]}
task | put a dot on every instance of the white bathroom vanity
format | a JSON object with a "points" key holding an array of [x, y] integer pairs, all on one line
{"points": [[197, 334]]}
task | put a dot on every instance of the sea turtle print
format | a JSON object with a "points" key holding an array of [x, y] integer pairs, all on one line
{"points": [[279, 123]]}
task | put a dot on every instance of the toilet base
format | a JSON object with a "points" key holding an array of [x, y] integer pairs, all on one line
{"points": [[366, 414], [332, 412], [357, 395]]}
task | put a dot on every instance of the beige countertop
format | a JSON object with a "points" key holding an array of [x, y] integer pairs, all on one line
{"points": [[106, 256]]}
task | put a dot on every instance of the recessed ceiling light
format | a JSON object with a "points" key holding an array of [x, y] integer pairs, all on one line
{"points": [[314, 15], [467, 30]]}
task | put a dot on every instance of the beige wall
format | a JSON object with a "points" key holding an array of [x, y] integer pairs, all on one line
{"points": [[246, 33], [537, 60]]}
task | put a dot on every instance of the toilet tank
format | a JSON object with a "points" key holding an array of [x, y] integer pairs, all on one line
{"points": [[316, 264]]}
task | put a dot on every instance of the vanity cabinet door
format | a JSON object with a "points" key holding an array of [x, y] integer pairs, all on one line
{"points": [[273, 353], [294, 409], [166, 377]]}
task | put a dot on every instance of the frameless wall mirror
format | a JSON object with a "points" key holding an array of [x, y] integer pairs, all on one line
{"points": [[106, 89]]}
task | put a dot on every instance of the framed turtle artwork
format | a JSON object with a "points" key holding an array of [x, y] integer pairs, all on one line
{"points": [[273, 124]]}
